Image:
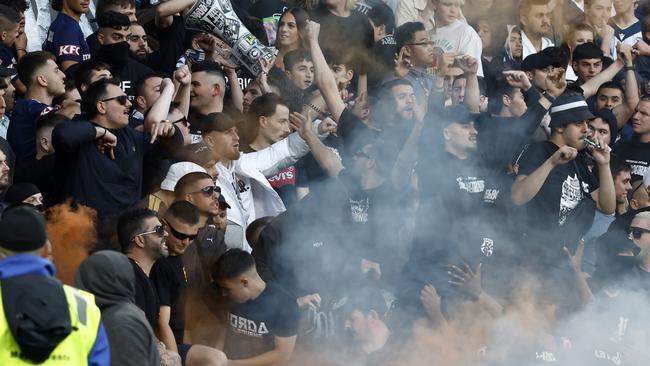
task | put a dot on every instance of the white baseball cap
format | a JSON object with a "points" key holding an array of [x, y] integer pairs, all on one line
{"points": [[178, 171]]}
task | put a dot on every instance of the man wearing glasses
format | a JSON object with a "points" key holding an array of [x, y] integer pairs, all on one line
{"points": [[198, 188], [639, 230], [142, 238], [102, 160], [417, 52], [169, 276]]}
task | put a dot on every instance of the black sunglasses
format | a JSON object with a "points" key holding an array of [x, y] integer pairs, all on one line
{"points": [[637, 232], [180, 236], [158, 230], [122, 99], [208, 191]]}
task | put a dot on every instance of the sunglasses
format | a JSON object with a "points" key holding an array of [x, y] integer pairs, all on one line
{"points": [[122, 99], [180, 236], [158, 230], [208, 191], [637, 232]]}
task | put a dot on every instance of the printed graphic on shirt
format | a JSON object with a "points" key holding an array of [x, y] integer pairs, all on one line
{"points": [[571, 196], [471, 184], [286, 177], [360, 210], [491, 195], [247, 327], [638, 167], [487, 248]]}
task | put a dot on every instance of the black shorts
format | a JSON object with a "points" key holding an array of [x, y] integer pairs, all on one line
{"points": [[183, 350]]}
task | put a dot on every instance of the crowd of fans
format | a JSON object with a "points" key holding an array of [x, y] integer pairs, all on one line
{"points": [[406, 182]]}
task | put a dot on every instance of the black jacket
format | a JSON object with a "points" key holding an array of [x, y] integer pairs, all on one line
{"points": [[94, 179]]}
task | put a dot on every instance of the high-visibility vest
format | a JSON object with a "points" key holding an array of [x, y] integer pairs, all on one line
{"points": [[74, 350]]}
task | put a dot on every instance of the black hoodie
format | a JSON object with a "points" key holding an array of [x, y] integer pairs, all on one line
{"points": [[109, 276]]}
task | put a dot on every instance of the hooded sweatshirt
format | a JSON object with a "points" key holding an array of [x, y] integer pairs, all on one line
{"points": [[109, 276]]}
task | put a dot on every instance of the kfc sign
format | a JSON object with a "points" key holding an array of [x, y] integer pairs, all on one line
{"points": [[69, 50]]}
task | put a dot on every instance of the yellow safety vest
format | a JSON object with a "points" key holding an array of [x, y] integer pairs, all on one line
{"points": [[75, 348]]}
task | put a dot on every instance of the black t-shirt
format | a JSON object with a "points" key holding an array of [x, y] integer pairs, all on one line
{"points": [[353, 33], [172, 45], [562, 191], [253, 324], [146, 297], [637, 154], [373, 230], [168, 277], [268, 12]]}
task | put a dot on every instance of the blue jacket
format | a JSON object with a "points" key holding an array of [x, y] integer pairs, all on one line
{"points": [[24, 264]]}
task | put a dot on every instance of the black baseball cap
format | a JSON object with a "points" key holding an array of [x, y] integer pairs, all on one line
{"points": [[457, 114], [7, 71], [537, 61], [222, 202]]}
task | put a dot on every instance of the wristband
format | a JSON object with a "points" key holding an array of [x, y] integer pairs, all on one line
{"points": [[630, 68], [20, 49], [104, 134], [548, 96]]}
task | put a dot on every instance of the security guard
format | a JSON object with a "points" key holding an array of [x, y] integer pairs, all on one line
{"points": [[43, 322]]}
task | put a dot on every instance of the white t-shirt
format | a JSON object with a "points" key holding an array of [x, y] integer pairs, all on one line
{"points": [[529, 49], [459, 37]]}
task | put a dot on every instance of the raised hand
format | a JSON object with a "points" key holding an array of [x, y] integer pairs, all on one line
{"points": [[555, 82], [309, 300], [467, 63], [517, 79], [600, 153], [563, 155], [327, 126], [402, 64], [445, 62], [466, 279], [625, 52], [641, 48], [302, 123], [313, 30], [167, 83], [431, 302], [373, 268], [183, 75]]}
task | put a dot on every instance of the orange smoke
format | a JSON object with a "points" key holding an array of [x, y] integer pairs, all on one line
{"points": [[72, 233]]}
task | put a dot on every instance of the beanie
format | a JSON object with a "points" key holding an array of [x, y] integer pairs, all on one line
{"points": [[22, 229], [19, 192]]}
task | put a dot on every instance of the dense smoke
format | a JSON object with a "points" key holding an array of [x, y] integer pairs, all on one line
{"points": [[72, 234]]}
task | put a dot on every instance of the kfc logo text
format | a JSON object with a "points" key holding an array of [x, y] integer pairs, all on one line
{"points": [[69, 50]]}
